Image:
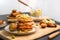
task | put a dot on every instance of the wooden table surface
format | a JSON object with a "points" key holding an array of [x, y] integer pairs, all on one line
{"points": [[39, 33]]}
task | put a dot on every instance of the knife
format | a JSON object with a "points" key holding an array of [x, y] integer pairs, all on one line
{"points": [[24, 3], [53, 35]]}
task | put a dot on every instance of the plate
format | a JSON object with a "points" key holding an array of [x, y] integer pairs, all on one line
{"points": [[3, 25], [21, 33]]}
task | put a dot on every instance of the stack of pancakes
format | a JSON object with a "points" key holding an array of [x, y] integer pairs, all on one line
{"points": [[13, 16], [25, 23]]}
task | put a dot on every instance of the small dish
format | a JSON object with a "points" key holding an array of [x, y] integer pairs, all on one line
{"points": [[3, 25]]}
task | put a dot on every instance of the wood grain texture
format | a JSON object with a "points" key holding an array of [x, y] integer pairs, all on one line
{"points": [[39, 33]]}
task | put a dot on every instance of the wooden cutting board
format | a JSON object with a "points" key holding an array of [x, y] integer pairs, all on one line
{"points": [[39, 33]]}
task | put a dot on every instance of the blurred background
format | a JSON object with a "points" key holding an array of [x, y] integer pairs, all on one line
{"points": [[49, 8]]}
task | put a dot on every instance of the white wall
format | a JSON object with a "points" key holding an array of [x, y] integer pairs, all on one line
{"points": [[50, 8], [53, 9], [7, 5]]}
